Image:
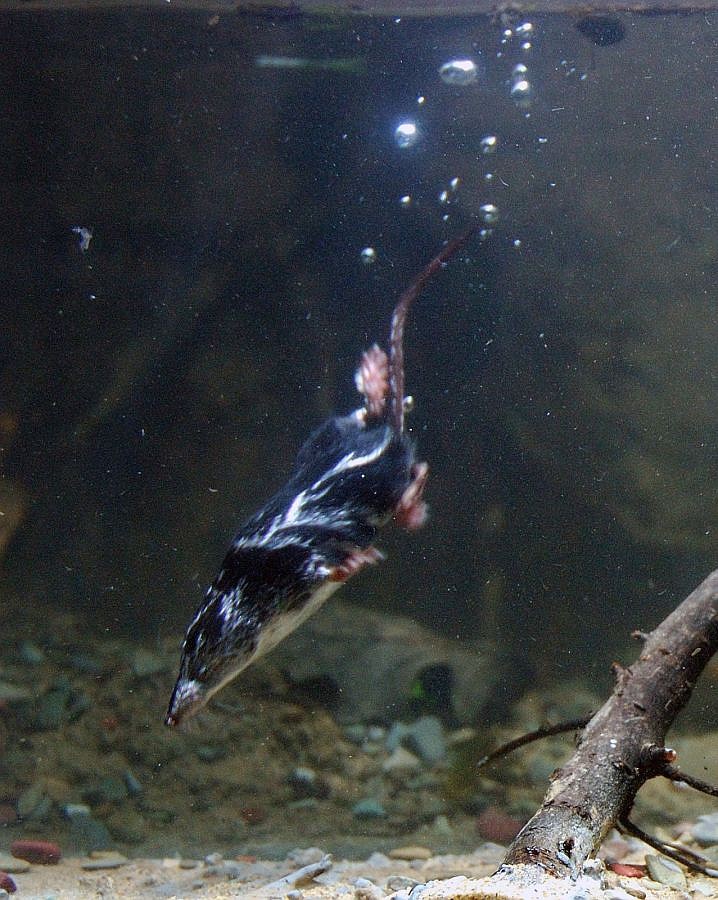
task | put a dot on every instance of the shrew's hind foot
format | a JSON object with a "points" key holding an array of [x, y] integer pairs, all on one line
{"points": [[354, 562], [411, 510], [372, 381]]}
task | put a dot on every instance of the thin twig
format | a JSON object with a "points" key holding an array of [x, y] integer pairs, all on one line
{"points": [[693, 861], [675, 774], [546, 731]]}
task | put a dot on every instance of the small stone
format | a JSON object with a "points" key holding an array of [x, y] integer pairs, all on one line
{"points": [[410, 852], [106, 861], [31, 654], [401, 761], [73, 810], [134, 787], [305, 856], [12, 865], [426, 738], [665, 871], [705, 831], [378, 860], [188, 863], [369, 808], [51, 709], [44, 853], [306, 783], [367, 890]]}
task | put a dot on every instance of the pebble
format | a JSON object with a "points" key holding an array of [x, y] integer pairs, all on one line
{"points": [[409, 853], [367, 890], [368, 808], [401, 760], [13, 865], [305, 856], [188, 863], [31, 654], [133, 785], [665, 871], [7, 885], [378, 860], [44, 853], [52, 707], [705, 831], [305, 783], [110, 860], [425, 737]]}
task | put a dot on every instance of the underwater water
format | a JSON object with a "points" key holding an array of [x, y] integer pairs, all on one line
{"points": [[207, 217]]}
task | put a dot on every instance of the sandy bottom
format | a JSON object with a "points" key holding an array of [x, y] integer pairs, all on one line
{"points": [[365, 880]]}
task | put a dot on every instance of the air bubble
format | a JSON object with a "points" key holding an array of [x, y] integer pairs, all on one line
{"points": [[517, 243], [489, 213], [525, 28], [405, 201], [521, 92], [368, 256], [489, 143], [406, 135], [444, 197], [459, 72], [526, 45], [519, 71], [454, 184]]}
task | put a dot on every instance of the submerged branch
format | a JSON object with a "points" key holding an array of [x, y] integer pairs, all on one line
{"points": [[623, 744]]}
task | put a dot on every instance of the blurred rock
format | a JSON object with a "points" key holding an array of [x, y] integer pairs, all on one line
{"points": [[377, 658]]}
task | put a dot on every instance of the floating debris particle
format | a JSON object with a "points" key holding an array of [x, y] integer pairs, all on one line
{"points": [[85, 235]]}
